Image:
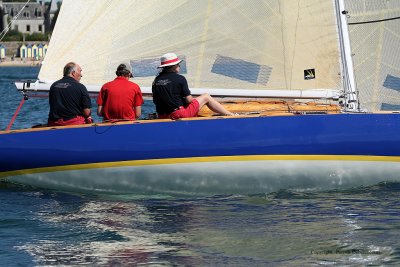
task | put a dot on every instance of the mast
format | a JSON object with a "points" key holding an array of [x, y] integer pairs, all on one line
{"points": [[351, 101]]}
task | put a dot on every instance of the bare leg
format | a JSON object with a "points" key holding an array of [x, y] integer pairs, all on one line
{"points": [[214, 105]]}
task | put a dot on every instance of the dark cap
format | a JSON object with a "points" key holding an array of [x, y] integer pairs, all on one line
{"points": [[124, 70]]}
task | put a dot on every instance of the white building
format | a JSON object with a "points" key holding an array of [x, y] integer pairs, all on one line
{"points": [[34, 17]]}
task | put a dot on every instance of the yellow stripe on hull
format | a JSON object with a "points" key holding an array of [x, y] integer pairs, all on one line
{"points": [[133, 163]]}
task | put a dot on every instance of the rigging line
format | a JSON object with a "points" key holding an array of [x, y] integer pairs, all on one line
{"points": [[15, 114], [7, 28], [372, 21]]}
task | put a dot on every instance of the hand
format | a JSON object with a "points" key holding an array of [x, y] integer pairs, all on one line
{"points": [[88, 120]]}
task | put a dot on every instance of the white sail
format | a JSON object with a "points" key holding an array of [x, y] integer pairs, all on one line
{"points": [[229, 45], [374, 29]]}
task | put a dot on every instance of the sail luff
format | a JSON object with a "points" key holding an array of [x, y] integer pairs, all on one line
{"points": [[349, 83]]}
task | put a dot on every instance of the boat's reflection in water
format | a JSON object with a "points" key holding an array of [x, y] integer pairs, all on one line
{"points": [[110, 233], [284, 228]]}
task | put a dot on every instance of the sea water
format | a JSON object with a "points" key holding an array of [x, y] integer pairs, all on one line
{"points": [[38, 227]]}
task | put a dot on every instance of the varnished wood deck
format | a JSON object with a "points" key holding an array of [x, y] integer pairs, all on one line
{"points": [[274, 108], [242, 108]]}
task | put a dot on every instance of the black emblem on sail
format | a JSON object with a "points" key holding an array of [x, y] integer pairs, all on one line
{"points": [[309, 74], [241, 69]]}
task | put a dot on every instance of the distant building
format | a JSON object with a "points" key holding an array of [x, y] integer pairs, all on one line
{"points": [[23, 51], [31, 51], [2, 51], [35, 17], [41, 51]]}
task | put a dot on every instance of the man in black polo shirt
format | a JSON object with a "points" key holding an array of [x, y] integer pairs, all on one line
{"points": [[69, 99], [172, 96]]}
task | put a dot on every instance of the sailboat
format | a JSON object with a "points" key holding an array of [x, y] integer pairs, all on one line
{"points": [[310, 106]]}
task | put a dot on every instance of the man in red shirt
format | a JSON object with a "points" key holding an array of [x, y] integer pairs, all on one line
{"points": [[120, 99]]}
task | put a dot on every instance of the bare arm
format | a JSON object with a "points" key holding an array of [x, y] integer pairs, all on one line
{"points": [[86, 112], [189, 99], [138, 111], [100, 111]]}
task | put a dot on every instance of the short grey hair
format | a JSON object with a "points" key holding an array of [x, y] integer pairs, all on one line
{"points": [[69, 68]]}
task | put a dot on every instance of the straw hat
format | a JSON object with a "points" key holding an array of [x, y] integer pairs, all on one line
{"points": [[169, 59]]}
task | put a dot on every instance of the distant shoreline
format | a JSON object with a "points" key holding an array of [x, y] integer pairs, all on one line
{"points": [[20, 63]]}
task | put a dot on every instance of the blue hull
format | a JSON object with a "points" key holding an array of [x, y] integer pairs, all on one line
{"points": [[167, 155]]}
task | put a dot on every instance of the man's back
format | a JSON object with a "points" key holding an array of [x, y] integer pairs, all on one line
{"points": [[67, 99], [169, 92], [118, 98]]}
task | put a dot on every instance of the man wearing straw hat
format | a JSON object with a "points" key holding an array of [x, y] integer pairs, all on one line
{"points": [[172, 96]]}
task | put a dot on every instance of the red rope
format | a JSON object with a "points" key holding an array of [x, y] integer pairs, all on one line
{"points": [[15, 114]]}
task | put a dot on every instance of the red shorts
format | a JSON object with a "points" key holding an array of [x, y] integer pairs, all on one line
{"points": [[191, 110], [74, 121]]}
